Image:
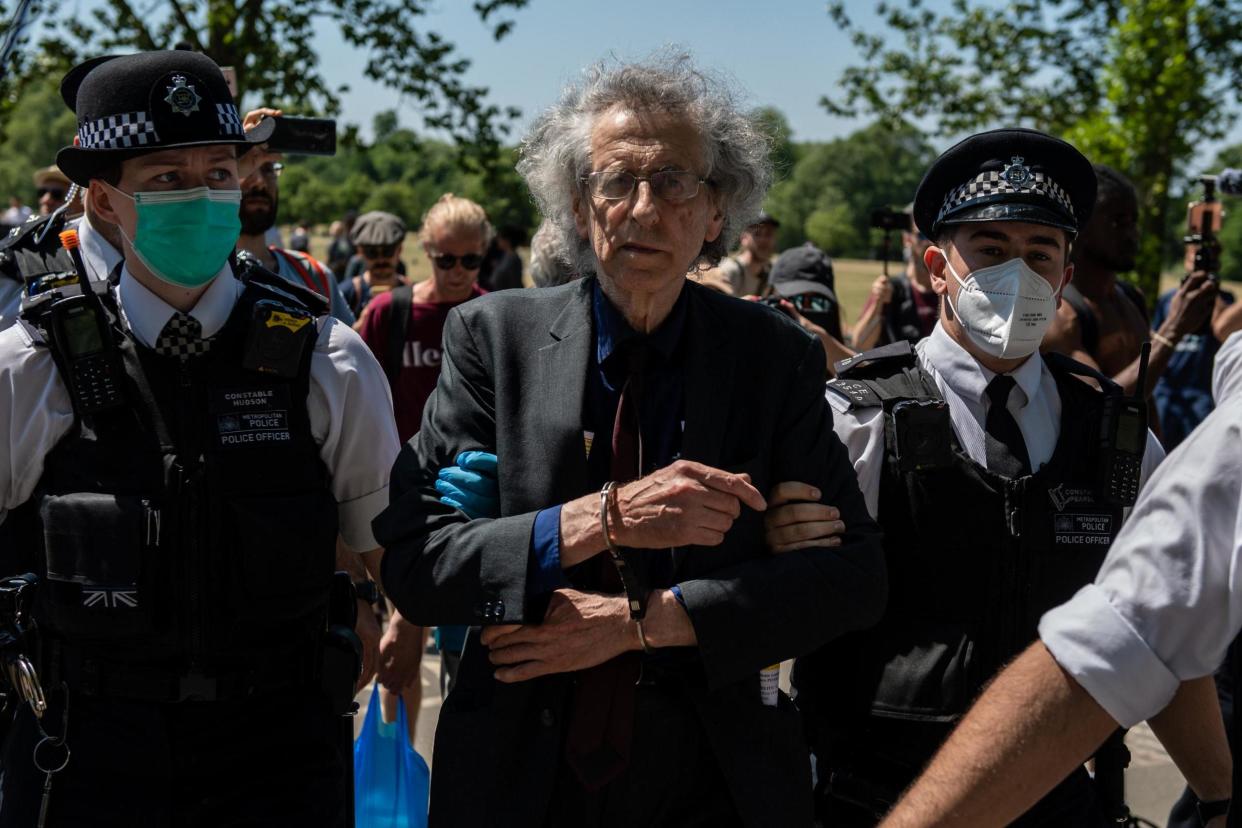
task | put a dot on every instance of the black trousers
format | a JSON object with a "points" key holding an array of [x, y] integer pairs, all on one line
{"points": [[673, 779], [264, 761]]}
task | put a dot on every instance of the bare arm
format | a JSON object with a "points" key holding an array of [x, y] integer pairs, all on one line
{"points": [[1064, 336], [870, 322], [1192, 731], [1188, 311], [1031, 728], [1228, 320]]}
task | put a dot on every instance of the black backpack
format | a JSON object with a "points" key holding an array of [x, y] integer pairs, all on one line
{"points": [[398, 323]]}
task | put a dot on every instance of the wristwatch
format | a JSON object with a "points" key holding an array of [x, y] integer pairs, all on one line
{"points": [[368, 591], [1208, 811]]}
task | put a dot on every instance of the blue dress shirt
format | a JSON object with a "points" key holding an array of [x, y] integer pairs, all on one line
{"points": [[660, 413]]}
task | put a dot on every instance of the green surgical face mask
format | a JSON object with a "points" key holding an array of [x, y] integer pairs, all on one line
{"points": [[185, 236]]}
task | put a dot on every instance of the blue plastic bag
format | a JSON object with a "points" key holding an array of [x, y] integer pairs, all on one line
{"points": [[391, 780]]}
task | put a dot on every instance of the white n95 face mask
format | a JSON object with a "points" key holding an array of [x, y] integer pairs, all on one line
{"points": [[1005, 308]]}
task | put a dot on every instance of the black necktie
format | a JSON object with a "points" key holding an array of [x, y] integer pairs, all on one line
{"points": [[1006, 448], [601, 724], [182, 338]]}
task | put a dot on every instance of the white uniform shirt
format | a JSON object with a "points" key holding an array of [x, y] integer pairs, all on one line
{"points": [[349, 404], [1034, 403], [1227, 368], [1168, 600], [98, 254]]}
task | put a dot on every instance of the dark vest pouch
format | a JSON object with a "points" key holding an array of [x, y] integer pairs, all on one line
{"points": [[281, 562], [99, 569]]}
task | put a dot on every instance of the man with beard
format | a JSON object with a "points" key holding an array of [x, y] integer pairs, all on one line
{"points": [[260, 198], [1103, 321], [378, 238]]}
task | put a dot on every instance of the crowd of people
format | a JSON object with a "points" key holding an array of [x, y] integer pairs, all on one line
{"points": [[621, 498]]}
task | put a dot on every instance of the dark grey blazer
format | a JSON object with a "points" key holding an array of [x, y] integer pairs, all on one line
{"points": [[512, 382]]}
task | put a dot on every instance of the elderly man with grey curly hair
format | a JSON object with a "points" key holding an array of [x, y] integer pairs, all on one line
{"points": [[627, 613]]}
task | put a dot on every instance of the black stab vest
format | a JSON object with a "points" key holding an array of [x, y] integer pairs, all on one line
{"points": [[193, 530], [974, 560]]}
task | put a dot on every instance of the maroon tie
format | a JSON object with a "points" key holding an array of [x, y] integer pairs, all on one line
{"points": [[601, 724]]}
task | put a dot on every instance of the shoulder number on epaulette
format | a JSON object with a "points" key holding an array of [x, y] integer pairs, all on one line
{"points": [[859, 394]]}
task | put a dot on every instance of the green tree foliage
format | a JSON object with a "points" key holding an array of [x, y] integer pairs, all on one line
{"points": [[39, 126], [266, 41], [1137, 84], [833, 188], [402, 173], [1231, 228]]}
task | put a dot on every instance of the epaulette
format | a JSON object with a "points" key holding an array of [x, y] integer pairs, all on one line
{"points": [[23, 233], [854, 394], [248, 271], [1060, 363], [882, 361]]}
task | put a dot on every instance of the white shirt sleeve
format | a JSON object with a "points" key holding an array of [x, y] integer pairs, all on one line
{"points": [[10, 301], [1168, 600], [1227, 369], [35, 413], [861, 430], [351, 418]]}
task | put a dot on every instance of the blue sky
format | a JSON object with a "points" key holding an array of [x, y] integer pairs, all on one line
{"points": [[785, 53]]}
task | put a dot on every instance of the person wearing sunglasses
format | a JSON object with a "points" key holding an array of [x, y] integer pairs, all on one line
{"points": [[404, 328], [378, 238], [51, 187], [803, 286]]}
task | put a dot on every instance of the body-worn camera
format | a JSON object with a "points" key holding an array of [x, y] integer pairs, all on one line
{"points": [[924, 434], [276, 338]]}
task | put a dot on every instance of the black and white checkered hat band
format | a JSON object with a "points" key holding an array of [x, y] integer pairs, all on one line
{"points": [[125, 131], [230, 121], [993, 182]]}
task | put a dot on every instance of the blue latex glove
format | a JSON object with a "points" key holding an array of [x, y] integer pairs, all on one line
{"points": [[471, 485]]}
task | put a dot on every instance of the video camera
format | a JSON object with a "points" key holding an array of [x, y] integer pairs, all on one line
{"points": [[1203, 222], [890, 220], [303, 136]]}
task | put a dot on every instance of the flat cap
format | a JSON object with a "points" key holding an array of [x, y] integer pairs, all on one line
{"points": [[377, 227], [805, 269], [1007, 175]]}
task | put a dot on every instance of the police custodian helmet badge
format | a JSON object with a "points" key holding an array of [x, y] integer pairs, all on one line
{"points": [[182, 97], [1018, 174]]}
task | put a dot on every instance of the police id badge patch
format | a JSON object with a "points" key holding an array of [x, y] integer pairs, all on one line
{"points": [[250, 417]]}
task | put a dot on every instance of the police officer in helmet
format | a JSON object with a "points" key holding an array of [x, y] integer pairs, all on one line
{"points": [[998, 475], [179, 453]]}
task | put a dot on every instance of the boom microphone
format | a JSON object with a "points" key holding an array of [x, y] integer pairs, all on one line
{"points": [[1230, 181]]}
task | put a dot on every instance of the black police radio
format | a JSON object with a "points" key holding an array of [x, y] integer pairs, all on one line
{"points": [[1123, 440], [78, 326], [73, 316]]}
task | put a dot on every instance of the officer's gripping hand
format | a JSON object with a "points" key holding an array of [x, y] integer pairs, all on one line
{"points": [[797, 520], [471, 485]]}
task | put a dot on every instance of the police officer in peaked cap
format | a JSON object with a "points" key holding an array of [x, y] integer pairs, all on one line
{"points": [[998, 475], [181, 450]]}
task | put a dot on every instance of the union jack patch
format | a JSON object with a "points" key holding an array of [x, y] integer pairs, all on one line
{"points": [[110, 598]]}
